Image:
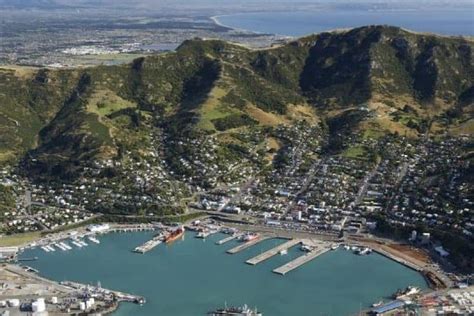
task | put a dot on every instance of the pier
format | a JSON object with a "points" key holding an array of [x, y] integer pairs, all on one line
{"points": [[270, 253], [149, 245], [227, 239], [246, 245], [318, 250]]}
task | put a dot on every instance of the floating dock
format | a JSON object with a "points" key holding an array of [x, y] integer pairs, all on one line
{"points": [[319, 249], [246, 245], [270, 253], [227, 239]]}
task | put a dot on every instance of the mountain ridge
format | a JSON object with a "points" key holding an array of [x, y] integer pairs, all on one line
{"points": [[372, 80]]}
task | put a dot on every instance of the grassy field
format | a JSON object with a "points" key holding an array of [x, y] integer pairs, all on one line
{"points": [[212, 110], [18, 239], [356, 152], [104, 102]]}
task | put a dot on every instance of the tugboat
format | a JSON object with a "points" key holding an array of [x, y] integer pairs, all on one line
{"points": [[235, 311]]}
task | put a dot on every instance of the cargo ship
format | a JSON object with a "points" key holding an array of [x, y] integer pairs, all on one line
{"points": [[235, 311], [177, 233]]}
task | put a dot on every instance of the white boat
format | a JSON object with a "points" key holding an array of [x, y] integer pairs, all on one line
{"points": [[93, 239], [45, 248], [379, 303], [50, 248], [203, 234], [334, 247], [364, 251], [65, 245], [82, 242], [60, 247], [306, 248], [74, 242], [347, 247], [284, 252]]}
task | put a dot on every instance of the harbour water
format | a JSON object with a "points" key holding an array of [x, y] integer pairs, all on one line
{"points": [[192, 276], [297, 23]]}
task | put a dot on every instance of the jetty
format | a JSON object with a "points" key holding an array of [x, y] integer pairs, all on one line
{"points": [[270, 253], [149, 245], [227, 239], [246, 245], [318, 249]]}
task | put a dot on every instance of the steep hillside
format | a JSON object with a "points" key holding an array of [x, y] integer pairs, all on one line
{"points": [[375, 80]]}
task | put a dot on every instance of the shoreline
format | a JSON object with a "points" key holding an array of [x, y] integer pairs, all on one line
{"points": [[267, 231], [216, 20]]}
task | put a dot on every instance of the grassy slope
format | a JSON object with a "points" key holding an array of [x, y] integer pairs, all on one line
{"points": [[375, 68]]}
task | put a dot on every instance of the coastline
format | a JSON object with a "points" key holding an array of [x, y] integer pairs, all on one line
{"points": [[215, 19], [265, 231]]}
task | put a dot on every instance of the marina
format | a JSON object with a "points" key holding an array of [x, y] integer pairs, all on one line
{"points": [[270, 253]]}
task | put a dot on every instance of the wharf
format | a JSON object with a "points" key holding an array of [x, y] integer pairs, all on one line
{"points": [[318, 250], [132, 228], [246, 245], [397, 259], [270, 253], [97, 290], [149, 245], [227, 239]]}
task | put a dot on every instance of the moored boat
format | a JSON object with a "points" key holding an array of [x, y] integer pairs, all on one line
{"points": [[250, 236], [235, 311], [410, 290], [175, 234]]}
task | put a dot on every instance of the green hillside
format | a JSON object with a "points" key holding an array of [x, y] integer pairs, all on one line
{"points": [[374, 79]]}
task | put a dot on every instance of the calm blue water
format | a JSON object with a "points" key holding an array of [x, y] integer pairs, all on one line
{"points": [[192, 276], [297, 23]]}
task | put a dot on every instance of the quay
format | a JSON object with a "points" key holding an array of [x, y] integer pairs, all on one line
{"points": [[270, 253], [149, 245], [97, 290], [227, 239], [125, 229], [318, 250], [246, 245], [397, 259]]}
